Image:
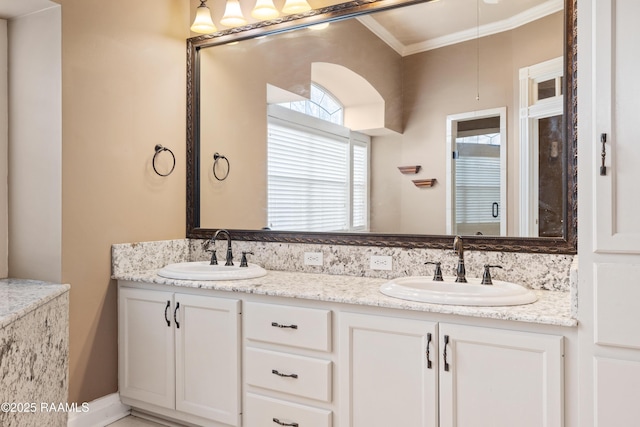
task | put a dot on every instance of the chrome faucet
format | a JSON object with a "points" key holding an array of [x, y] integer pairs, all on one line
{"points": [[229, 257], [460, 271]]}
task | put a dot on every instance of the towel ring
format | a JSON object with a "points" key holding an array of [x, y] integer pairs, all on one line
{"points": [[159, 149], [216, 157]]}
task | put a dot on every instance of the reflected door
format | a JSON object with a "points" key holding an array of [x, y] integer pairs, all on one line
{"points": [[476, 180]]}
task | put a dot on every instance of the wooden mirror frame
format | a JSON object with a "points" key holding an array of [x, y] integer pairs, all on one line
{"points": [[564, 245]]}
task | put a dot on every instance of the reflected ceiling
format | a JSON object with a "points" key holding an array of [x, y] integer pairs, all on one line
{"points": [[407, 31]]}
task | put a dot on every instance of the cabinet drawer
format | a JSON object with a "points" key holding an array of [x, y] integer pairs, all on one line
{"points": [[297, 375], [294, 326], [263, 411]]}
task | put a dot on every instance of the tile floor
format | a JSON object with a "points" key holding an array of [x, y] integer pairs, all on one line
{"points": [[132, 421]]}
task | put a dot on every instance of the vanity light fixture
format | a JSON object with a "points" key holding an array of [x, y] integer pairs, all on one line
{"points": [[295, 6], [233, 15], [203, 23], [265, 10]]}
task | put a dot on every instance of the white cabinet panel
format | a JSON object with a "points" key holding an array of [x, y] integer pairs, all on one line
{"points": [[293, 326], [180, 352], [616, 304], [385, 378], [288, 373], [617, 392], [146, 343], [207, 357], [500, 378], [616, 103], [264, 411]]}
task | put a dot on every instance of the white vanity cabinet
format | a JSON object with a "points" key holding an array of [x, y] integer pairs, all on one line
{"points": [[179, 355], [388, 371], [409, 372], [288, 366]]}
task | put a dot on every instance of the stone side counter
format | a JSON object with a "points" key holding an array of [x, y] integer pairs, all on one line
{"points": [[34, 353]]}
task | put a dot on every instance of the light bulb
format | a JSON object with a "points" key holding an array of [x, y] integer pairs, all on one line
{"points": [[264, 10], [233, 15], [203, 23], [295, 6]]}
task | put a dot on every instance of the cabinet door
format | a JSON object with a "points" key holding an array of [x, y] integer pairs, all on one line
{"points": [[146, 344], [500, 378], [208, 357], [616, 106], [385, 378]]}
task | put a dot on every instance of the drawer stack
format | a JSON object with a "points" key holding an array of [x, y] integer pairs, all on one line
{"points": [[287, 366]]}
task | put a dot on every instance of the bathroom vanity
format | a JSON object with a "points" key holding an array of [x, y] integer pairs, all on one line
{"points": [[326, 350]]}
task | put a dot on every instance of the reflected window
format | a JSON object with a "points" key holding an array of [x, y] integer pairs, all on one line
{"points": [[317, 169], [321, 104]]}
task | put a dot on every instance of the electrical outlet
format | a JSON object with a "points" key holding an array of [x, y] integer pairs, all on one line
{"points": [[313, 258], [380, 262]]}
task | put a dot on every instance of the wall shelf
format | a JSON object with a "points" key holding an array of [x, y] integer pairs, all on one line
{"points": [[424, 183], [409, 169]]}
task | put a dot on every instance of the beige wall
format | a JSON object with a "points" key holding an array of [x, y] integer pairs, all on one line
{"points": [[35, 146], [441, 82], [123, 92]]}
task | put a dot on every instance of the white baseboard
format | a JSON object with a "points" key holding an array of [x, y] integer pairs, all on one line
{"points": [[102, 412]]}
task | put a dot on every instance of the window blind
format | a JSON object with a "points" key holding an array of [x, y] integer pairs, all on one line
{"points": [[477, 189], [308, 176], [360, 156]]}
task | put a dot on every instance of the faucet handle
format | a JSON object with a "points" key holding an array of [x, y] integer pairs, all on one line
{"points": [[437, 274], [243, 260], [486, 276], [208, 248]]}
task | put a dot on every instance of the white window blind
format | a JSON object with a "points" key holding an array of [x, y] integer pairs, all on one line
{"points": [[477, 186], [317, 174], [307, 178], [360, 198]]}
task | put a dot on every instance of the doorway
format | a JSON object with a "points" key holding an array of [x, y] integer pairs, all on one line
{"points": [[476, 173]]}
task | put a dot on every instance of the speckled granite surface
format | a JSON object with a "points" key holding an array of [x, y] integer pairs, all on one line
{"points": [[18, 297], [34, 355], [551, 308], [346, 278], [535, 271]]}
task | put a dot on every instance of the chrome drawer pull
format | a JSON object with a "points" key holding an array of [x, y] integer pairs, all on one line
{"points": [[273, 371], [277, 325], [277, 421]]}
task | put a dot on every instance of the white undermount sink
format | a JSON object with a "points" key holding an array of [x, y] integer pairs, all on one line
{"points": [[425, 289], [202, 270]]}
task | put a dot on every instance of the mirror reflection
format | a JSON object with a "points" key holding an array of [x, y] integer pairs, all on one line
{"points": [[418, 120]]}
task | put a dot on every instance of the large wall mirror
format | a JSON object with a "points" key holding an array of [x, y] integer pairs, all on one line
{"points": [[392, 124]]}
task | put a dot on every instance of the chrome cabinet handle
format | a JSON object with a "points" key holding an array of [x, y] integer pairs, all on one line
{"points": [[428, 350], [275, 372], [175, 315], [166, 309], [277, 421], [278, 325], [446, 343]]}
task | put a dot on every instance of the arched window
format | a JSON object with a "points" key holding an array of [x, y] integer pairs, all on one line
{"points": [[321, 104]]}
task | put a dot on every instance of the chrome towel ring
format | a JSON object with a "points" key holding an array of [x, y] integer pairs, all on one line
{"points": [[159, 149], [216, 157]]}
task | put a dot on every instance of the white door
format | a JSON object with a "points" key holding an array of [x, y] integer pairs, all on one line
{"points": [[500, 378], [388, 372], [208, 357], [616, 106], [146, 346]]}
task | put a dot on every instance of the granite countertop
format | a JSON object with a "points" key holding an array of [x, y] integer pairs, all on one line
{"points": [[18, 297], [552, 307]]}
